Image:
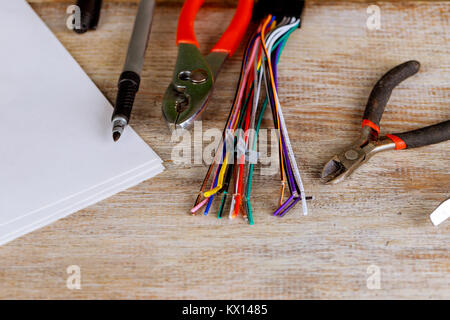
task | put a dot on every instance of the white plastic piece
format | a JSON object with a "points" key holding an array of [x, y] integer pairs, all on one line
{"points": [[441, 213]]}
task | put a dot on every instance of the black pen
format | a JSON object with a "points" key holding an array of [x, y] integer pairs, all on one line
{"points": [[89, 15], [131, 76]]}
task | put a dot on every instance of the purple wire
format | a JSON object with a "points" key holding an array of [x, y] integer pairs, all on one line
{"points": [[281, 211], [274, 63], [288, 164], [277, 212], [288, 168], [290, 207], [290, 178]]}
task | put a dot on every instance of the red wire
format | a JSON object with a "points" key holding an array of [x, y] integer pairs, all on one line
{"points": [[240, 179]]}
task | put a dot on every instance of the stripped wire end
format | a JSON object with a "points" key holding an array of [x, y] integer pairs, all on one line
{"points": [[233, 200], [243, 210], [222, 204], [248, 211], [283, 187]]}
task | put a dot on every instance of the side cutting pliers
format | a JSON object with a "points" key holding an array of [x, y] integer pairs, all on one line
{"points": [[194, 76], [345, 163]]}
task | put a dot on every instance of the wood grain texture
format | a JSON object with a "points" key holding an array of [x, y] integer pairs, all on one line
{"points": [[142, 243]]}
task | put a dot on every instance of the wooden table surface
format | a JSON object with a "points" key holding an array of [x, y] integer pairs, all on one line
{"points": [[142, 243]]}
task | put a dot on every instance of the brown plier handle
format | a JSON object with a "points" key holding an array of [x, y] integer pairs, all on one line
{"points": [[382, 91], [422, 137], [378, 100]]}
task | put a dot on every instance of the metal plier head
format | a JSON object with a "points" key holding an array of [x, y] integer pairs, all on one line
{"points": [[369, 143], [194, 75], [344, 163], [191, 85]]}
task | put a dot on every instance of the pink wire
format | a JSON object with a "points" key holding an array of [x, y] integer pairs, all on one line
{"points": [[197, 207], [246, 74]]}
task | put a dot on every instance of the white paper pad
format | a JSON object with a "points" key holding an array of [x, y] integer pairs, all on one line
{"points": [[57, 155]]}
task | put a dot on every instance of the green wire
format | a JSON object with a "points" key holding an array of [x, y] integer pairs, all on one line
{"points": [[222, 203], [250, 174]]}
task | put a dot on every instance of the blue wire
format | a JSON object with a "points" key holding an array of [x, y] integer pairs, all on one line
{"points": [[212, 197]]}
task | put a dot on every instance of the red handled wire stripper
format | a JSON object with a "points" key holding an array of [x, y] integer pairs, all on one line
{"points": [[194, 76]]}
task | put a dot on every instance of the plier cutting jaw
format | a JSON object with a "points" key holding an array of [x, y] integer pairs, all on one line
{"points": [[369, 143], [194, 75]]}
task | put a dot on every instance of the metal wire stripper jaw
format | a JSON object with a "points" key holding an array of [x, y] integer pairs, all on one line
{"points": [[192, 83], [369, 143]]}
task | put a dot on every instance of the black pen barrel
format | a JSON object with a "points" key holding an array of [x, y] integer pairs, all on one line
{"points": [[128, 87]]}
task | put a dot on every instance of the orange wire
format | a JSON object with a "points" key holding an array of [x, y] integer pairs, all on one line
{"points": [[272, 81]]}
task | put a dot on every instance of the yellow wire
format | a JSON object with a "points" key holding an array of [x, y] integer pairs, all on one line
{"points": [[211, 192]]}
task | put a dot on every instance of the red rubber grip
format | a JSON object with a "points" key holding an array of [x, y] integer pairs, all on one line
{"points": [[230, 39], [369, 123], [399, 143], [185, 30]]}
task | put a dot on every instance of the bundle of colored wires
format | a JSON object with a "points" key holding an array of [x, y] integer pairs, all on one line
{"points": [[234, 161]]}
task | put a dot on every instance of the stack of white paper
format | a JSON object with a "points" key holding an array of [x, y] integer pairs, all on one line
{"points": [[57, 155]]}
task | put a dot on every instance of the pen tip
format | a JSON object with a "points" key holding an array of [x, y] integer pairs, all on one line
{"points": [[119, 124], [116, 136]]}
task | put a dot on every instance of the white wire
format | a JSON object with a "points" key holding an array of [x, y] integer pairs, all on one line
{"points": [[271, 40], [291, 153]]}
